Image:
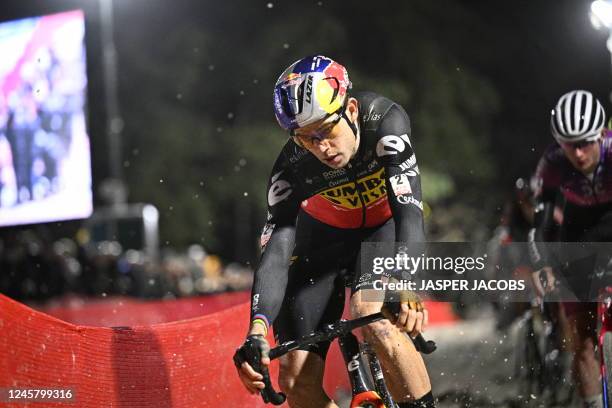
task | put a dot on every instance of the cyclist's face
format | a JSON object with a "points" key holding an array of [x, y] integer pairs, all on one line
{"points": [[584, 156], [333, 143]]}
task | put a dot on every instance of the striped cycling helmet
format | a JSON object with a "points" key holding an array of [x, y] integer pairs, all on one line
{"points": [[578, 116]]}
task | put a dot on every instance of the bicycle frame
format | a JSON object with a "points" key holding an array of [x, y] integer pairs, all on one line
{"points": [[363, 390]]}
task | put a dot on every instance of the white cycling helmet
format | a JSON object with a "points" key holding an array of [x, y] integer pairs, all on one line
{"points": [[577, 117]]}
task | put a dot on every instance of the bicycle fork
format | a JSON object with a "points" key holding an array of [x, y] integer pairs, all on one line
{"points": [[363, 390]]}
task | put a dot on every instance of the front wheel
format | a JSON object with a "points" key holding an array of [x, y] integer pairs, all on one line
{"points": [[607, 362]]}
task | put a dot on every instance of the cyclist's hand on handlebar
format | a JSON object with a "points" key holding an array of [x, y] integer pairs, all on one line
{"points": [[543, 281], [255, 344], [409, 315]]}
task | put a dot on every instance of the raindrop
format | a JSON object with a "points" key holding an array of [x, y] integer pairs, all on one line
{"points": [[230, 115], [285, 46], [211, 67], [270, 5], [161, 180], [179, 96], [241, 92], [242, 162], [246, 194], [219, 129]]}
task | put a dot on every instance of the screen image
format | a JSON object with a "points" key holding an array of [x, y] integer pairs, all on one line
{"points": [[45, 159]]}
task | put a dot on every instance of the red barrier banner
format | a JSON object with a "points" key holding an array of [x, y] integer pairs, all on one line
{"points": [[186, 363], [181, 364]]}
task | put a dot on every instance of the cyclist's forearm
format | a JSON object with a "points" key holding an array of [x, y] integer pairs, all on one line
{"points": [[542, 232], [409, 227], [270, 280], [406, 204]]}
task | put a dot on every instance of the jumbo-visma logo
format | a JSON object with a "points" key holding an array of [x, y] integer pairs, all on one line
{"points": [[371, 187]]}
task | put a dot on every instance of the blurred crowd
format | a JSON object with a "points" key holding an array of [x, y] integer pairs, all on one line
{"points": [[36, 269]]}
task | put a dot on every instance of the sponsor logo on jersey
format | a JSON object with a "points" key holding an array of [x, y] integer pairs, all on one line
{"points": [[266, 233], [400, 185], [371, 188], [407, 164], [372, 116], [413, 172], [373, 164], [392, 145], [279, 190], [298, 153], [409, 199], [338, 182], [333, 173]]}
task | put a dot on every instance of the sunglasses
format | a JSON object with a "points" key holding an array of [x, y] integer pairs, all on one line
{"points": [[580, 145], [316, 136]]}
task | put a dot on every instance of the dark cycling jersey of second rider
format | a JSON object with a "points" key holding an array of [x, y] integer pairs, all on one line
{"points": [[586, 197]]}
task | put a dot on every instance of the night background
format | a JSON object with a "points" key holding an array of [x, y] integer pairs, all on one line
{"points": [[478, 80], [190, 104], [197, 136]]}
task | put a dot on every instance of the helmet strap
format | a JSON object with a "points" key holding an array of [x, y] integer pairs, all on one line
{"points": [[351, 124], [354, 127]]}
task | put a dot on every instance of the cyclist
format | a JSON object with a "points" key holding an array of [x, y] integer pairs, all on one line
{"points": [[346, 175], [579, 166]]}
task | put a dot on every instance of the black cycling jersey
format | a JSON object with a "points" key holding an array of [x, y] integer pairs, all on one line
{"points": [[381, 181]]}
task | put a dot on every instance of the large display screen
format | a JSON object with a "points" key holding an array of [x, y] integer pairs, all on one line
{"points": [[45, 158]]}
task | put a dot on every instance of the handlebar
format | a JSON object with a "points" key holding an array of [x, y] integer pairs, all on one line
{"points": [[329, 333]]}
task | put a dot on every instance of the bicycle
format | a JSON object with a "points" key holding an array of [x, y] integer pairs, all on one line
{"points": [[368, 387], [550, 373], [543, 365]]}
